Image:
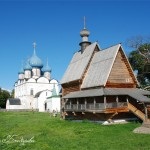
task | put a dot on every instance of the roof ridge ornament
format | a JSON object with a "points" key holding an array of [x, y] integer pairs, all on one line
{"points": [[47, 67], [84, 33], [84, 22], [47, 62], [34, 46]]}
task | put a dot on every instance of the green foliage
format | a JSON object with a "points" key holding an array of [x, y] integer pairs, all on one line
{"points": [[4, 95], [49, 133], [139, 60]]}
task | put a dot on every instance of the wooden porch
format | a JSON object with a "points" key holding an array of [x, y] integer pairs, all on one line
{"points": [[109, 103], [112, 109]]}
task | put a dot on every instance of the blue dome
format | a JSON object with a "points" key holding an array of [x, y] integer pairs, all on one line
{"points": [[47, 68], [35, 61], [27, 65], [21, 71]]}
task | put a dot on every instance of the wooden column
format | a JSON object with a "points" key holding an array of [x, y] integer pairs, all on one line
{"points": [[64, 102], [117, 100], [94, 103], [105, 102], [146, 115], [62, 108], [77, 104], [85, 102], [70, 104]]}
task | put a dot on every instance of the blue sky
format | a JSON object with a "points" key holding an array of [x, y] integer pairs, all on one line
{"points": [[55, 27]]}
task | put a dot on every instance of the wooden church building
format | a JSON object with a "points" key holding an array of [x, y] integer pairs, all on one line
{"points": [[100, 85]]}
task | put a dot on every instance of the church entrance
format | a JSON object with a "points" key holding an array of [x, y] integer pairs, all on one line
{"points": [[45, 106]]}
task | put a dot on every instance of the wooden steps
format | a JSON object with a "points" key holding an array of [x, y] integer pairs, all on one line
{"points": [[136, 111]]}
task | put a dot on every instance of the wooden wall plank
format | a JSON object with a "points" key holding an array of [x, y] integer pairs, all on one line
{"points": [[121, 75]]}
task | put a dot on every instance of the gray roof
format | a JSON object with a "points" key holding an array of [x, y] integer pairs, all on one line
{"points": [[78, 64], [14, 101], [135, 93], [100, 67], [85, 93]]}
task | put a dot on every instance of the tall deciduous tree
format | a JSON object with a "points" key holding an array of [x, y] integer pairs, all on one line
{"points": [[4, 95], [140, 58]]}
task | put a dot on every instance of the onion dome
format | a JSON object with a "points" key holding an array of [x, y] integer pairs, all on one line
{"points": [[35, 61], [84, 32], [21, 71], [46, 68], [27, 65]]}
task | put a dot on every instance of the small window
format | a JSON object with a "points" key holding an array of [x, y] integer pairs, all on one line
{"points": [[127, 80]]}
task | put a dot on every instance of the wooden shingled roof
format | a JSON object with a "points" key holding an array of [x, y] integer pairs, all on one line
{"points": [[99, 69], [101, 66], [78, 64]]}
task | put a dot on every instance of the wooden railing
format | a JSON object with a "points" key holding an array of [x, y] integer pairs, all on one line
{"points": [[96, 106]]}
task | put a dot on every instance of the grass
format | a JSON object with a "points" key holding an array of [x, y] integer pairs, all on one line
{"points": [[39, 131]]}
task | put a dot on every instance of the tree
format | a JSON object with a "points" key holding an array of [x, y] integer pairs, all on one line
{"points": [[140, 58], [4, 95]]}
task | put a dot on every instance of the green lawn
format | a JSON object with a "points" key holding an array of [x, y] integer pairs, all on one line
{"points": [[39, 131]]}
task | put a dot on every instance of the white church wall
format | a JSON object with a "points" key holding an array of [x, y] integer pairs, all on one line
{"points": [[14, 107], [41, 100], [36, 72], [26, 102], [53, 104], [42, 80], [41, 87], [47, 75], [27, 74], [31, 80]]}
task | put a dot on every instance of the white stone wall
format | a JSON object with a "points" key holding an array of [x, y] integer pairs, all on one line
{"points": [[27, 74], [53, 103], [47, 75], [36, 72], [21, 76], [42, 99]]}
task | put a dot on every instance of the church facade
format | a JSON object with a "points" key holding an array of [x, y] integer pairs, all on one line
{"points": [[35, 88]]}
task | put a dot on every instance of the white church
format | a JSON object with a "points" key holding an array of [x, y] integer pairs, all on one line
{"points": [[34, 89]]}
